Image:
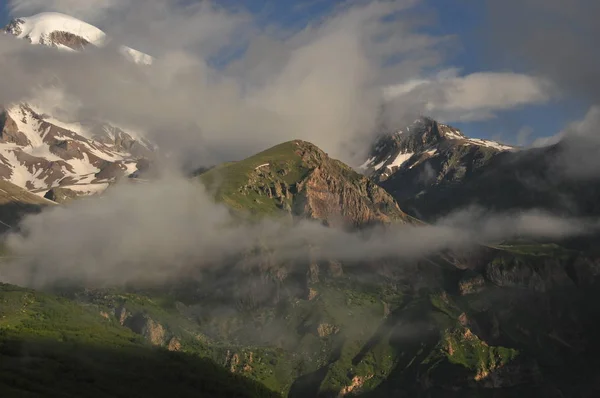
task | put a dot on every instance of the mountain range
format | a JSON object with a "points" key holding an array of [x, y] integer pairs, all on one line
{"points": [[509, 318], [40, 151]]}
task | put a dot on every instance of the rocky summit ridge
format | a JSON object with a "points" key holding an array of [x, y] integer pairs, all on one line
{"points": [[298, 178]]}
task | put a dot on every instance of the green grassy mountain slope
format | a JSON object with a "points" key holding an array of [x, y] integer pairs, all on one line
{"points": [[53, 347], [298, 178], [519, 322]]}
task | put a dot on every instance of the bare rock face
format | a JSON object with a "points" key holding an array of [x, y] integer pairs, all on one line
{"points": [[67, 39], [335, 194], [61, 195], [174, 344], [357, 383], [325, 329], [540, 275], [122, 315], [9, 132], [152, 331], [14, 27], [338, 202], [43, 153], [471, 284], [112, 171]]}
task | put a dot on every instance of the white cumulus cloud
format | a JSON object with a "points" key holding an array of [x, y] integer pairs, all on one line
{"points": [[472, 97]]}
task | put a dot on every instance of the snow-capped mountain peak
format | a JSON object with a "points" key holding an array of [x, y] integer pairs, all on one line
{"points": [[67, 33], [42, 149], [423, 139], [55, 29]]}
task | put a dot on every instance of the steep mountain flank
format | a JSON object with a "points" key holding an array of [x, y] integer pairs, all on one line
{"points": [[426, 156], [523, 180], [427, 141], [298, 178], [38, 152]]}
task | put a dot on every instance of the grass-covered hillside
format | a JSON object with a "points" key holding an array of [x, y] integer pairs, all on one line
{"points": [[53, 347], [298, 178]]}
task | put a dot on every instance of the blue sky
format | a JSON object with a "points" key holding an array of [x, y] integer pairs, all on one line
{"points": [[463, 18]]}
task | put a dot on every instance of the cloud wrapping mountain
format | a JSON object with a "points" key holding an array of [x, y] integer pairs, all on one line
{"points": [[158, 232]]}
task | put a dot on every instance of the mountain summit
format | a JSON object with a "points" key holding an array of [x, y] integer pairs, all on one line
{"points": [[300, 179], [425, 138], [427, 154], [66, 33], [55, 29]]}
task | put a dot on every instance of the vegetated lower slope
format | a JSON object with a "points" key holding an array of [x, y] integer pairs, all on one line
{"points": [[298, 178], [518, 321], [52, 347]]}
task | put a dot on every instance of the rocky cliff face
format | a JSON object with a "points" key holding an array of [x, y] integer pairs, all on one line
{"points": [[423, 141], [61, 195], [38, 152], [507, 181], [10, 133], [298, 178], [427, 156], [67, 39]]}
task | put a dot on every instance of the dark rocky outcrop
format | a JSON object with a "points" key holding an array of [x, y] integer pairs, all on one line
{"points": [[9, 132], [61, 195], [68, 39], [112, 171]]}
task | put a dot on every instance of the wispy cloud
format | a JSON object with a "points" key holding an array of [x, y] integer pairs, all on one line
{"points": [[477, 96], [168, 229]]}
